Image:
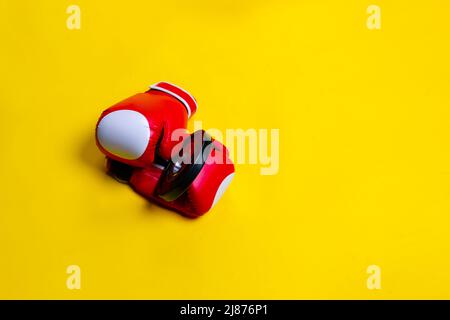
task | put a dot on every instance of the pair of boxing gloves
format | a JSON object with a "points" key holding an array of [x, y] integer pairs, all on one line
{"points": [[147, 145]]}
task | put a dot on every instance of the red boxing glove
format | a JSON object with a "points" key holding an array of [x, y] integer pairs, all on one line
{"points": [[134, 130], [191, 189]]}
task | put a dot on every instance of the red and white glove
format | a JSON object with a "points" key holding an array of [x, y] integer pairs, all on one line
{"points": [[190, 189], [139, 128]]}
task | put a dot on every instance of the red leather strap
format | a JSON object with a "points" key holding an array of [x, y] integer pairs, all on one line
{"points": [[180, 94]]}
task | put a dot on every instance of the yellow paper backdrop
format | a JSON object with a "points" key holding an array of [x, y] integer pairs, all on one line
{"points": [[364, 176]]}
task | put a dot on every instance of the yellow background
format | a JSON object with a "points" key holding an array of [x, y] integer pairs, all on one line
{"points": [[364, 149]]}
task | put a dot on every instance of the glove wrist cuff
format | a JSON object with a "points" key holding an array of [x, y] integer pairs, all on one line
{"points": [[181, 95]]}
